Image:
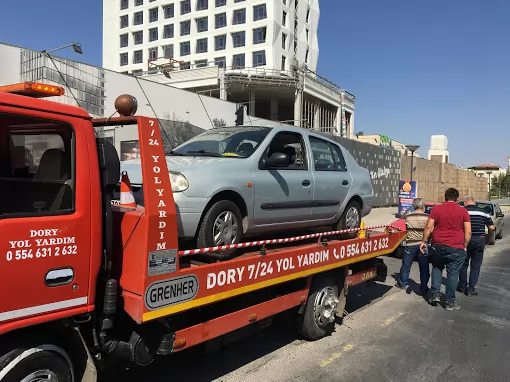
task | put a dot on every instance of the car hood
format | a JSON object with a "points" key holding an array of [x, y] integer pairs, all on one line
{"points": [[184, 165]]}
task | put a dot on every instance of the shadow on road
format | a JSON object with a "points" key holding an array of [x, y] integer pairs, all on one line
{"points": [[196, 365]]}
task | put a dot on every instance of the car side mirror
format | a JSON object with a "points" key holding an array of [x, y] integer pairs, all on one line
{"points": [[276, 160], [500, 215]]}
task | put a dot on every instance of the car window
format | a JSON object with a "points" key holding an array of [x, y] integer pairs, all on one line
{"points": [[326, 156], [486, 207], [240, 142], [291, 144], [39, 168]]}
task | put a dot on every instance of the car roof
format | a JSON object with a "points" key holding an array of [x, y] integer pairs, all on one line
{"points": [[295, 129]]}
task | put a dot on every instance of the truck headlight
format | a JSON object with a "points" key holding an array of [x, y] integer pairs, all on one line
{"points": [[178, 181]]}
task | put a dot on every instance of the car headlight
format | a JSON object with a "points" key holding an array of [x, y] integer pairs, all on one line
{"points": [[178, 181]]}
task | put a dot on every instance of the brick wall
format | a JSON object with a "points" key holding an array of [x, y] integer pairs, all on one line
{"points": [[433, 178]]}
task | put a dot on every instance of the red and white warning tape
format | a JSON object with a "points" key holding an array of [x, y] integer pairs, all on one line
{"points": [[279, 241]]}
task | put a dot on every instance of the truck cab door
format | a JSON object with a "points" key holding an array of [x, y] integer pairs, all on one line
{"points": [[45, 213]]}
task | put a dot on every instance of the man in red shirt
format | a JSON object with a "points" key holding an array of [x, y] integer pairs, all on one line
{"points": [[451, 228]]}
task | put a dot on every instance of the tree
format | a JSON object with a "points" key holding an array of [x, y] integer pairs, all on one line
{"points": [[175, 131]]}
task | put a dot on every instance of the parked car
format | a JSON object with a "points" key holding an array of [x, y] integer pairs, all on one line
{"points": [[232, 182], [493, 209]]}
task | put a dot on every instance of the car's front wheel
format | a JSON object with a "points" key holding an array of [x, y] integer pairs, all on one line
{"points": [[221, 225]]}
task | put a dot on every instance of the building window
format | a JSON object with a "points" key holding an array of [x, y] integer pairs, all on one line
{"points": [[307, 35], [295, 46], [124, 4], [221, 3], [153, 53], [136, 72], [185, 65], [153, 34], [185, 7], [153, 15], [123, 59], [220, 20], [284, 62], [220, 61], [308, 15], [259, 35], [239, 16], [306, 56], [169, 11], [238, 39], [185, 48], [220, 42], [138, 18], [138, 37], [259, 58], [284, 18], [137, 57], [124, 21], [138, 2], [185, 28], [123, 40], [259, 12], [200, 63], [202, 45], [284, 41], [238, 61], [284, 2], [168, 31], [238, 1], [202, 5], [202, 24], [168, 51]]}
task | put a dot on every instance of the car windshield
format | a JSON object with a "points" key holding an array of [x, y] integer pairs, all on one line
{"points": [[487, 207], [234, 142]]}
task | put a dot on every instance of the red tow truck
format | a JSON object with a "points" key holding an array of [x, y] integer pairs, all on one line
{"points": [[84, 281]]}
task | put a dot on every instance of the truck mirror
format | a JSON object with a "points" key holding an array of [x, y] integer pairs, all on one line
{"points": [[109, 163]]}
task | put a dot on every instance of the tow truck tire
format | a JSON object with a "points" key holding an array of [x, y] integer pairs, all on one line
{"points": [[37, 363], [312, 324], [205, 232]]}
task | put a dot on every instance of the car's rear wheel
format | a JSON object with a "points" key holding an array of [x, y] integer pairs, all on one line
{"points": [[351, 218], [221, 225]]}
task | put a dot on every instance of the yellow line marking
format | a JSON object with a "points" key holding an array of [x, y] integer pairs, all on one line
{"points": [[392, 319], [249, 288], [335, 356]]}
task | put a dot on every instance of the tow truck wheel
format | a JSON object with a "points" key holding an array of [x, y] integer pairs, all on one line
{"points": [[37, 364], [221, 225], [318, 319]]}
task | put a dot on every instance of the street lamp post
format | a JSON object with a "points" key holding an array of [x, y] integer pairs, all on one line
{"points": [[76, 47], [412, 149]]}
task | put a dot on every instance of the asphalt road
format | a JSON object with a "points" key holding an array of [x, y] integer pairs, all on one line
{"points": [[389, 335]]}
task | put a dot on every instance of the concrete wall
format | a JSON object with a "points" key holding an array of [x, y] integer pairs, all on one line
{"points": [[433, 178]]}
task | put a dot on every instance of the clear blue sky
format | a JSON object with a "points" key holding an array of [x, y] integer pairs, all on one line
{"points": [[417, 68]]}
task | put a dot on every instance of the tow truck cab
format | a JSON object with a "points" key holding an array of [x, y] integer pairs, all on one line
{"points": [[50, 207]]}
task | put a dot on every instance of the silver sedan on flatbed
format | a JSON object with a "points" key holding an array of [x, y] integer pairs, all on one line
{"points": [[232, 182]]}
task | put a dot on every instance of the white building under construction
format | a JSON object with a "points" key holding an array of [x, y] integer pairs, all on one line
{"points": [[259, 53]]}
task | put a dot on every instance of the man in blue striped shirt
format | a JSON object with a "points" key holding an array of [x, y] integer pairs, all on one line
{"points": [[479, 220]]}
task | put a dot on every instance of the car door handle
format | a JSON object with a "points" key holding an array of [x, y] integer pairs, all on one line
{"points": [[305, 183], [345, 182]]}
